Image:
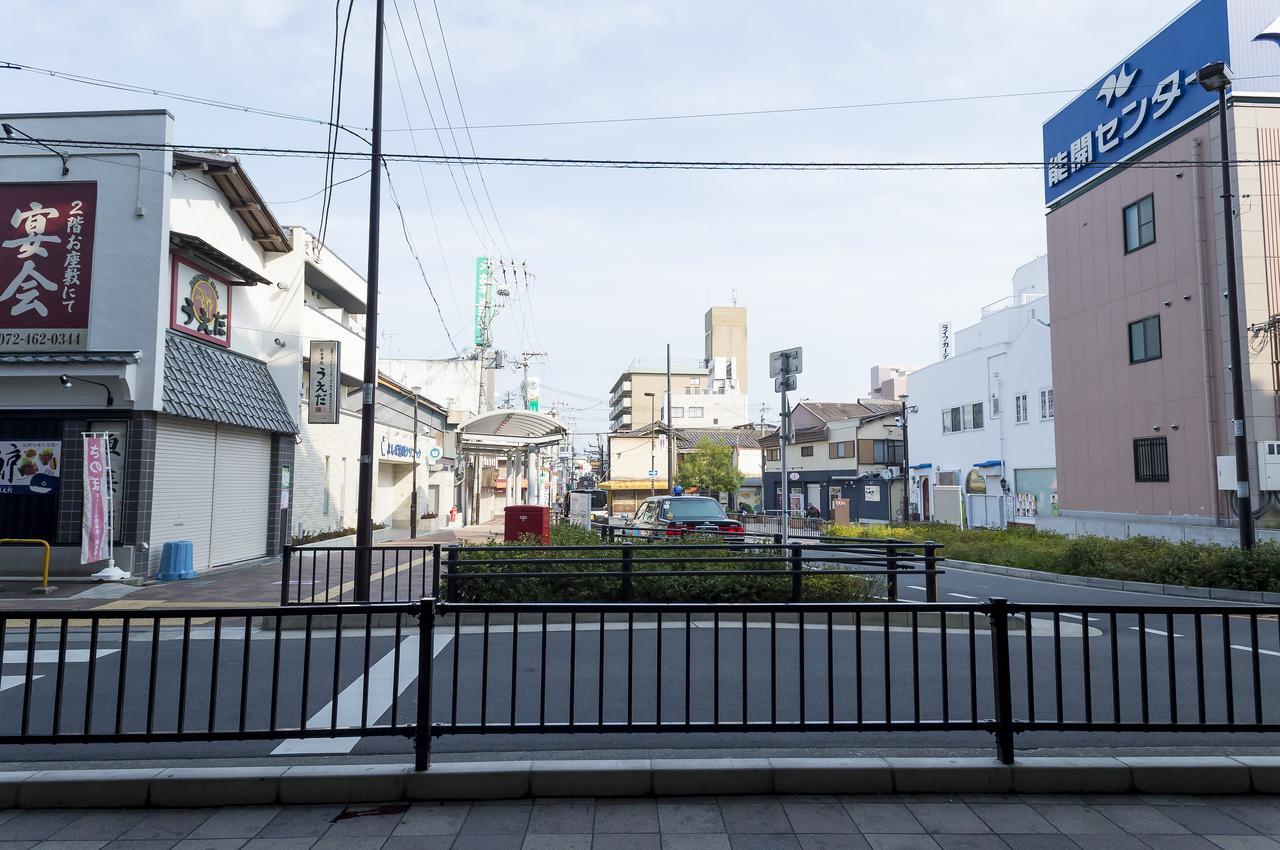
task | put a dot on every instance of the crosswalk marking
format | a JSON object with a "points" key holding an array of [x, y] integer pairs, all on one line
{"points": [[351, 699], [1250, 649], [962, 596], [50, 656], [7, 682], [1154, 631]]}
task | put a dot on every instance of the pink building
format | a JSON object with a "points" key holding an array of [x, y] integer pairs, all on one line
{"points": [[1137, 274]]}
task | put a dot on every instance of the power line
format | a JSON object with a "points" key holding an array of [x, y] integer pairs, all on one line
{"points": [[417, 75], [404, 227], [335, 112], [784, 110], [637, 164], [463, 112]]}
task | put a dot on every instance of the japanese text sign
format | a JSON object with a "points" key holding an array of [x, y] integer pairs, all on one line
{"points": [[46, 264], [1137, 102], [95, 518], [29, 467], [324, 382], [201, 303]]}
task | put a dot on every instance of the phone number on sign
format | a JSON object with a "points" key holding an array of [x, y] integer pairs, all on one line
{"points": [[20, 340]]}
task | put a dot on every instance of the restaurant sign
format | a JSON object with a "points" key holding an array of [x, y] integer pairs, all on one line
{"points": [[201, 303], [29, 467], [46, 264], [324, 379]]}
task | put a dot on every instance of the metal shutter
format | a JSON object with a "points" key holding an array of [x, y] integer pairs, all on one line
{"points": [[182, 500], [242, 478]]}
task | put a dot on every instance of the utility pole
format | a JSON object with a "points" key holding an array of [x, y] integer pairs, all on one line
{"points": [[1216, 76], [671, 435], [364, 502], [413, 498], [653, 430], [527, 357], [906, 477], [784, 366]]}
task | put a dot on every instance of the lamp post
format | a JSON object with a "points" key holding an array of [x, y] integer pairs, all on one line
{"points": [[653, 457], [1216, 77], [413, 498]]}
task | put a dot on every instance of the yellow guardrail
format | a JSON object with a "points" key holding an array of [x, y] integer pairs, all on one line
{"points": [[30, 541]]}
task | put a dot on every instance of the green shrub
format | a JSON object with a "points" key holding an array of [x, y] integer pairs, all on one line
{"points": [[1134, 559], [708, 584]]}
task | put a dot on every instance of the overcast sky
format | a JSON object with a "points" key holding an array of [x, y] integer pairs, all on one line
{"points": [[857, 267]]}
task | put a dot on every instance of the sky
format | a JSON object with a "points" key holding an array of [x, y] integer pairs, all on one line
{"points": [[858, 268]]}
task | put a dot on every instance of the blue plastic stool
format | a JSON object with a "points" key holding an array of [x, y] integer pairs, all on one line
{"points": [[176, 561]]}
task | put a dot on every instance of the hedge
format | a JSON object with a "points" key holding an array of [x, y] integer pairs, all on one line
{"points": [[1134, 559], [709, 588]]}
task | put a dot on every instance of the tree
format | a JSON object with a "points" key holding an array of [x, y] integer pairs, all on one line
{"points": [[710, 467]]}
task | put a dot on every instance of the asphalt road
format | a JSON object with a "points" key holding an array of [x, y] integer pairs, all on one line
{"points": [[377, 678]]}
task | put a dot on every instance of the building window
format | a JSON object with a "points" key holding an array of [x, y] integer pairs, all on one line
{"points": [[1139, 224], [773, 454], [1046, 404], [806, 451], [888, 452], [695, 413], [677, 413], [1150, 459], [966, 417], [843, 449], [1020, 410], [1144, 340]]}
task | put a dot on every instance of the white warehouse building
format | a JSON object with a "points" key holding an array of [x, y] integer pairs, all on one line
{"points": [[981, 417]]}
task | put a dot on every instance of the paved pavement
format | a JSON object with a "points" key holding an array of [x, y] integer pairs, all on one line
{"points": [[882, 822]]}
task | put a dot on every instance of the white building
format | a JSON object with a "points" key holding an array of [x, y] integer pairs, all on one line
{"points": [[981, 420]]}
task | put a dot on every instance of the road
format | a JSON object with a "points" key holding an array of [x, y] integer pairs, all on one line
{"points": [[858, 667]]}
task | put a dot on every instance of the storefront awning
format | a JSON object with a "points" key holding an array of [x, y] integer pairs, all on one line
{"points": [[508, 430], [634, 484], [987, 464], [922, 466]]}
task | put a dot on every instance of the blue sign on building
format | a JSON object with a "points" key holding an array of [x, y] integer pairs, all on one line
{"points": [[1142, 99]]}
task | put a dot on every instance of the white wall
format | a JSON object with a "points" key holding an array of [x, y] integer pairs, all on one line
{"points": [[129, 299], [452, 384], [719, 410]]}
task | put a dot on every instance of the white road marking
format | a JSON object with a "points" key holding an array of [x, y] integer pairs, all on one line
{"points": [[50, 656], [7, 682], [914, 587], [1154, 632], [351, 698], [962, 596], [1250, 649], [1077, 617]]}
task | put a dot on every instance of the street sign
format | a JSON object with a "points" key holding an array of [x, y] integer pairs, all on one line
{"points": [[784, 383], [786, 362], [653, 473]]}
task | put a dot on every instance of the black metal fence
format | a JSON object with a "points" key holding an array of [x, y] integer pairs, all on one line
{"points": [[325, 575], [435, 668]]}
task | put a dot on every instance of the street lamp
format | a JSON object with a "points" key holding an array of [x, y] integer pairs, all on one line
{"points": [[1216, 77], [653, 424], [413, 498], [66, 380]]}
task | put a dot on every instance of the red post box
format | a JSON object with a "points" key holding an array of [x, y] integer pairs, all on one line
{"points": [[527, 519]]}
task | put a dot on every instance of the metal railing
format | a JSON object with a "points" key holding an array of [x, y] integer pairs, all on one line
{"points": [[208, 674], [435, 668], [326, 575]]}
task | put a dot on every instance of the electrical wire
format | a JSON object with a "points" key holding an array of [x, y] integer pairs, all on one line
{"points": [[636, 164], [335, 114], [320, 191], [463, 112]]}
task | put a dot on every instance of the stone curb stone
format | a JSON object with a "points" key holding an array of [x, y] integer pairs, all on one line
{"points": [[506, 780], [605, 778], [343, 783], [951, 775], [1188, 775], [10, 782], [1264, 772], [1225, 594], [129, 788], [193, 787], [831, 776], [697, 777], [1049, 775]]}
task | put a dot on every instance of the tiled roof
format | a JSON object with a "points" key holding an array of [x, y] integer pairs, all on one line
{"points": [[687, 438], [77, 357], [209, 383]]}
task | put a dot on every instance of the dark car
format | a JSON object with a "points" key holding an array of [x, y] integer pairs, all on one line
{"points": [[676, 516]]}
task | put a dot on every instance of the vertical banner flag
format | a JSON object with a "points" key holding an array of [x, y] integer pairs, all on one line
{"points": [[95, 520], [324, 378], [533, 389]]}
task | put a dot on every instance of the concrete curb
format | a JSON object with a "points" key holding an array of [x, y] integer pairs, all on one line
{"points": [[310, 784], [1209, 594]]}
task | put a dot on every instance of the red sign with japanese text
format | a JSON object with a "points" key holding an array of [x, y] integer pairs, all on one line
{"points": [[46, 264]]}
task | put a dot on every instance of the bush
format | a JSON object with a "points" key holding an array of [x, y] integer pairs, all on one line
{"points": [[1135, 559], [711, 585]]}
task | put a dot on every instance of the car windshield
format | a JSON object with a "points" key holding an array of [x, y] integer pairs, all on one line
{"points": [[690, 510], [599, 500]]}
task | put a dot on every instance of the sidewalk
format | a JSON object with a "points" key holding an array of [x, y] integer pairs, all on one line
{"points": [[695, 823]]}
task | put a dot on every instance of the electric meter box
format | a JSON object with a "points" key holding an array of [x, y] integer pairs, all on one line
{"points": [[1269, 465], [1227, 472]]}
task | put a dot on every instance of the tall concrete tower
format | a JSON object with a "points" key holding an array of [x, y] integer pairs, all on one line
{"points": [[726, 336]]}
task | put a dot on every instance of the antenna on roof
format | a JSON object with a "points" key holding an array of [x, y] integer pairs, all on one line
{"points": [[733, 296]]}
